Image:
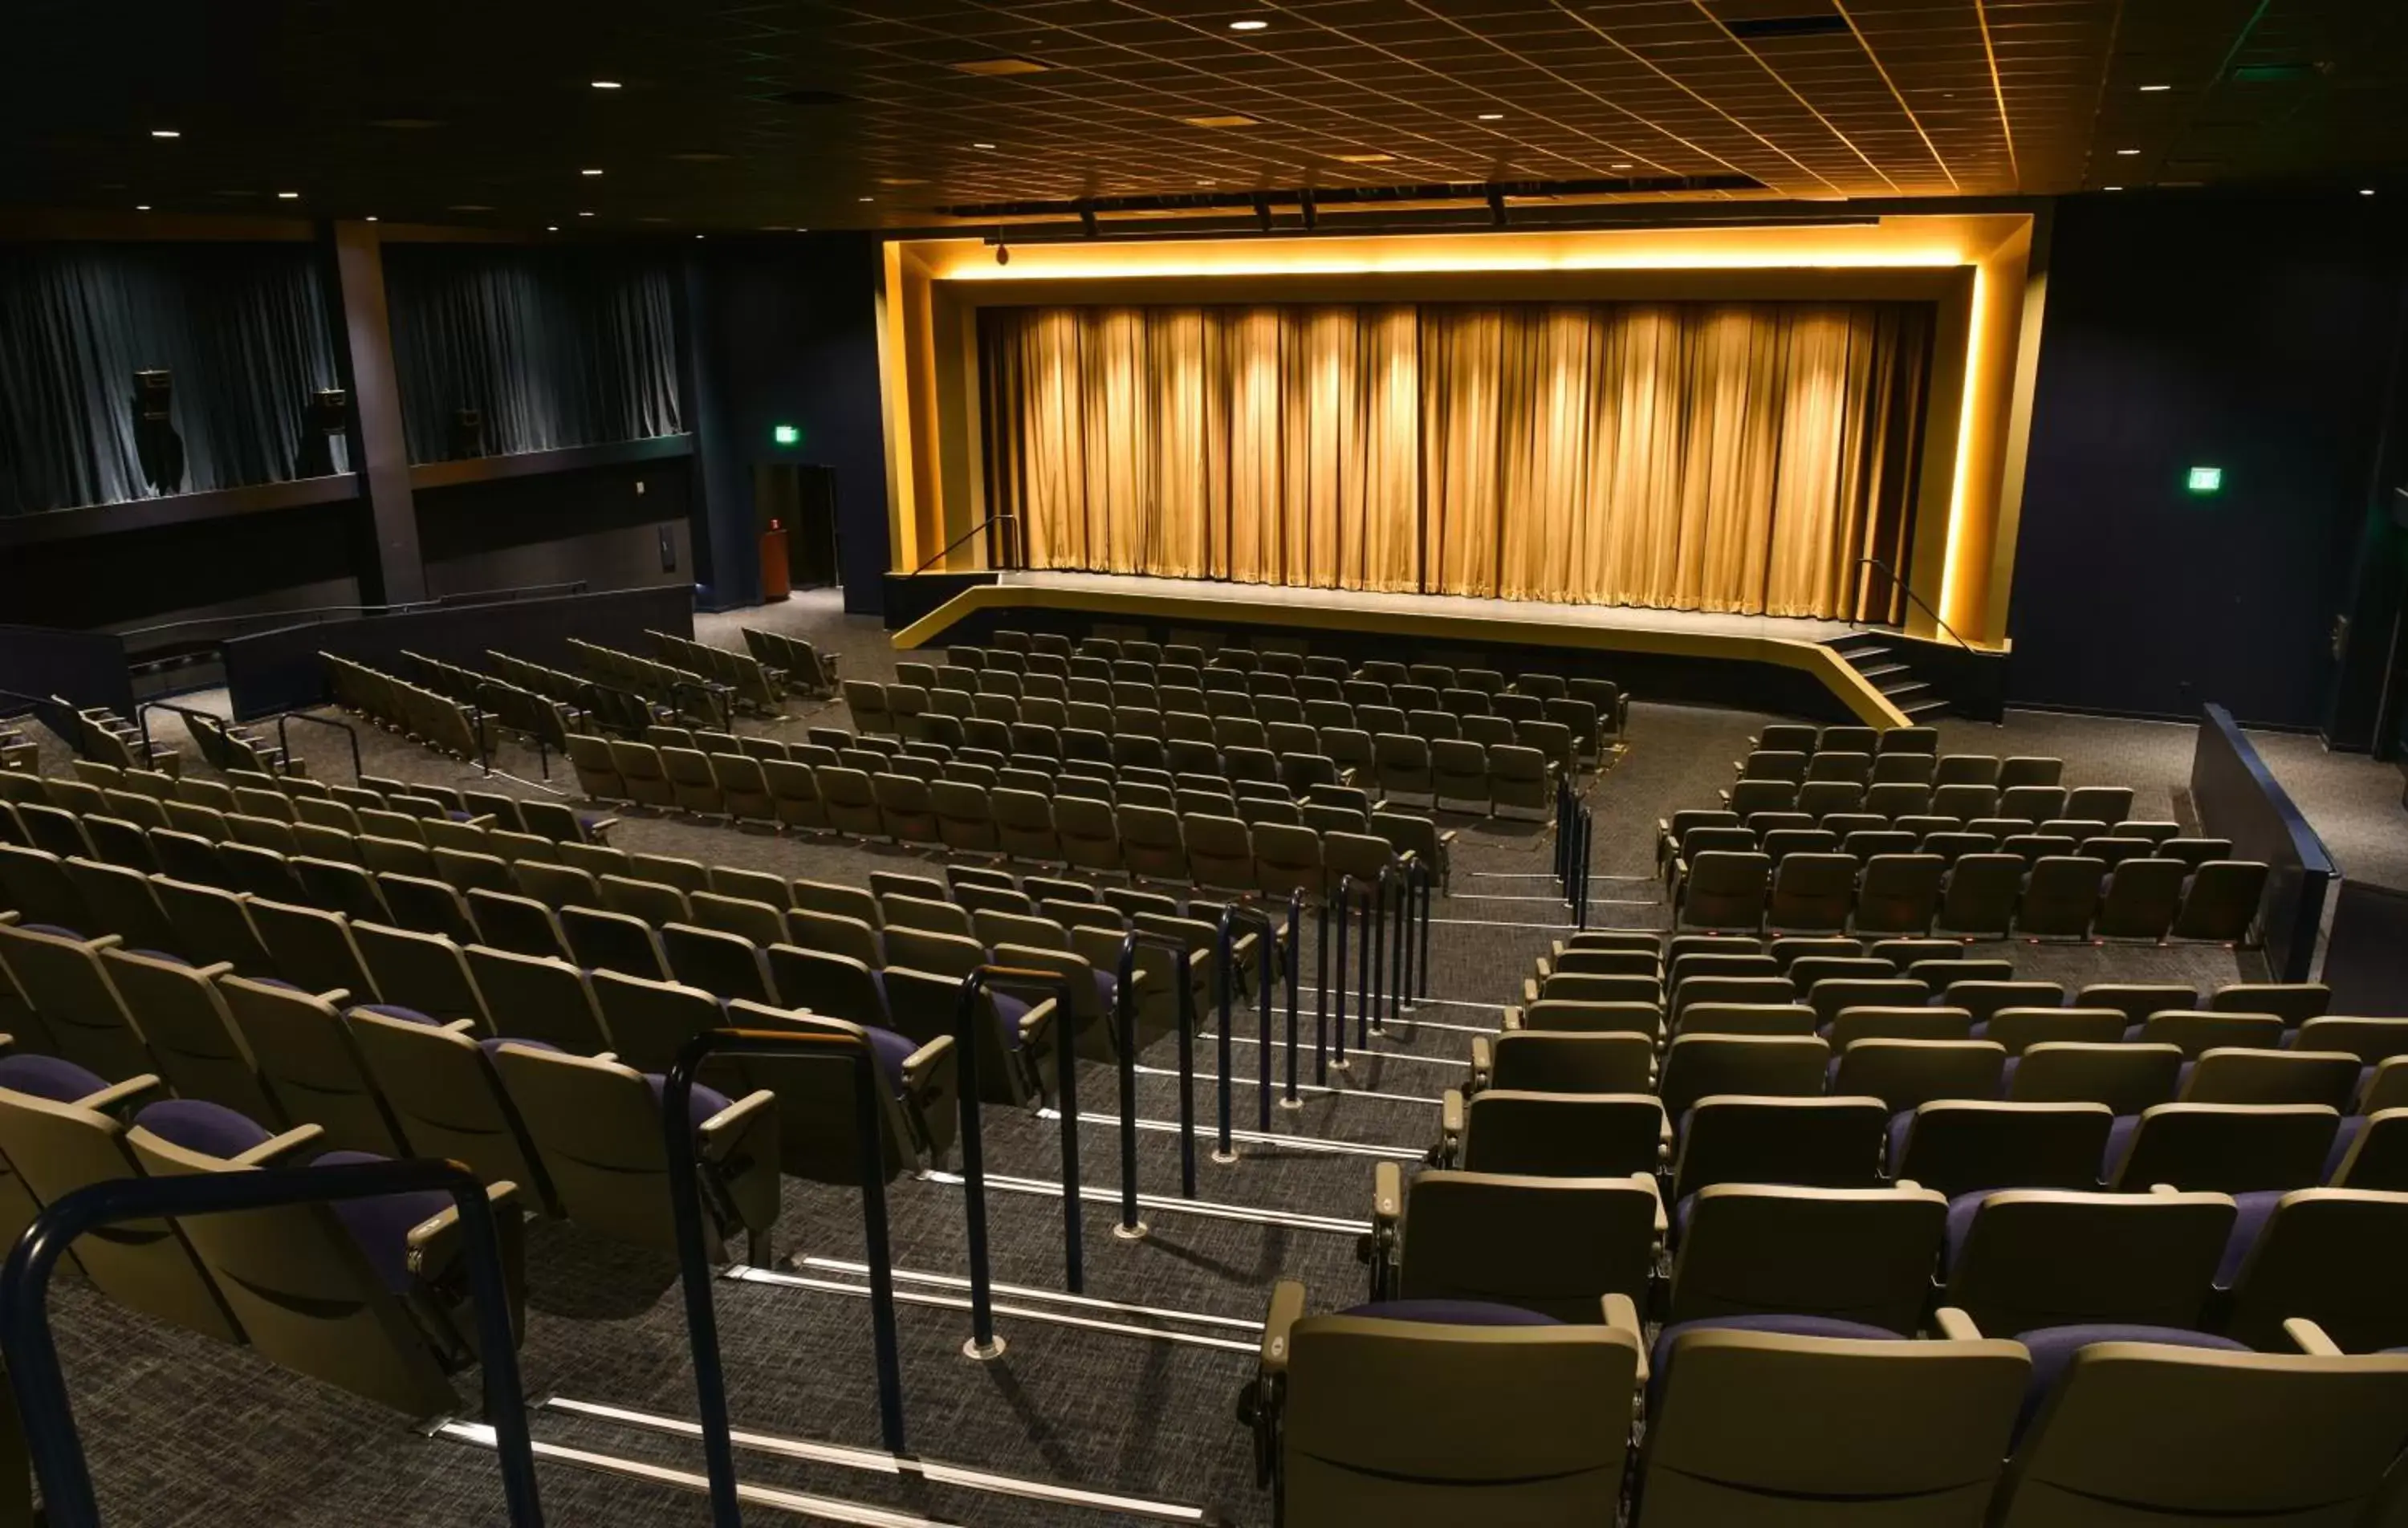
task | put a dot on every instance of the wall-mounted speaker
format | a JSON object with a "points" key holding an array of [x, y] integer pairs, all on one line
{"points": [[156, 444], [153, 390], [330, 410], [468, 432]]}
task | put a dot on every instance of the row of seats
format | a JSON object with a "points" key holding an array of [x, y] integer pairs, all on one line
{"points": [[1861, 835], [436, 721], [1419, 1412], [1565, 731], [1016, 651], [1819, 799], [1984, 895], [586, 702], [809, 672], [1218, 850], [679, 691], [751, 679], [1887, 765], [1806, 738], [512, 708]]}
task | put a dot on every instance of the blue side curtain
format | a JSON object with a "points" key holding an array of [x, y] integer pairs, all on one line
{"points": [[243, 328], [554, 348]]}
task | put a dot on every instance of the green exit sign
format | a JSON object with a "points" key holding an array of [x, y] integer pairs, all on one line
{"points": [[2206, 480], [788, 435]]}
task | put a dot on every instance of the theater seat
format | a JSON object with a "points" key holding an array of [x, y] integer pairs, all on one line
{"points": [[1418, 1414]]}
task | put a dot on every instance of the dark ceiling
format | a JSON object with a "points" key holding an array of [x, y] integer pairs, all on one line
{"points": [[885, 112]]}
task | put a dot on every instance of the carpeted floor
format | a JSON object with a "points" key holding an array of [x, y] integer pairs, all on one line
{"points": [[181, 1431]]}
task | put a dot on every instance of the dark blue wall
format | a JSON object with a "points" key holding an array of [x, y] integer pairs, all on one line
{"points": [[785, 332], [2252, 335]]}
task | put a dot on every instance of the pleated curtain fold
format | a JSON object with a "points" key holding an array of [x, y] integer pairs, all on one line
{"points": [[1733, 457]]}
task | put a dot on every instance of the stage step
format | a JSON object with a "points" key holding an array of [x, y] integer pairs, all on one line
{"points": [[1905, 693], [1923, 711], [1878, 671]]}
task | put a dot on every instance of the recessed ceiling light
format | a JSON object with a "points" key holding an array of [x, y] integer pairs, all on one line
{"points": [[605, 84], [869, 199], [166, 132], [589, 172], [1366, 159], [1617, 166], [697, 236], [2152, 90], [981, 145], [2111, 188], [142, 206], [552, 228], [2368, 190], [1492, 115], [2126, 153], [900, 180], [1248, 26], [585, 214], [1208, 182], [1230, 120], [288, 195], [372, 218], [1000, 68]]}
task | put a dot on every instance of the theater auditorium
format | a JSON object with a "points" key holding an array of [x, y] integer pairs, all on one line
{"points": [[1338, 764]]}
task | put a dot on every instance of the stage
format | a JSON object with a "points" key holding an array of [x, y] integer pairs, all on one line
{"points": [[1781, 664]]}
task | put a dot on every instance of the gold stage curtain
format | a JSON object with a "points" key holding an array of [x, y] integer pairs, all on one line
{"points": [[1703, 456]]}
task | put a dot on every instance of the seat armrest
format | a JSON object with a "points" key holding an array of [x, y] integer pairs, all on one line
{"points": [[1449, 837], [1655, 1191], [1956, 1325], [335, 997], [436, 1244], [723, 1130], [11, 916], [117, 1095], [1450, 1128], [596, 829], [920, 1063], [1483, 1064], [1040, 1017], [1287, 1309], [270, 1151], [1621, 1315], [1545, 969], [2310, 1338], [1512, 1019], [214, 970], [1387, 1194], [1529, 992], [461, 1026], [107, 941]]}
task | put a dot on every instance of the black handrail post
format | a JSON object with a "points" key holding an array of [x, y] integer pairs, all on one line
{"points": [[1183, 968], [1363, 991], [693, 1268], [31, 1354], [1587, 847], [1430, 882], [1402, 917], [1065, 1063], [983, 1343], [1344, 899], [1295, 980], [1125, 1002], [1376, 915], [1225, 1151], [1269, 977]]}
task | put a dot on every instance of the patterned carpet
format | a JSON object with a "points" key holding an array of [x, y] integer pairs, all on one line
{"points": [[181, 1431]]}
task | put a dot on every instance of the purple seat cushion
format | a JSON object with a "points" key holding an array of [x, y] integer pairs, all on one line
{"points": [[47, 1077], [1961, 1210], [1008, 1012], [280, 982], [1660, 1360], [162, 956], [892, 1051], [2256, 1208], [379, 1225], [2344, 1138], [2052, 1348], [197, 1125], [2007, 1076], [1901, 1125], [1451, 1313], [2119, 1145], [51, 929], [699, 1106]]}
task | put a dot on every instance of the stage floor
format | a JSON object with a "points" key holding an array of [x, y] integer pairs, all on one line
{"points": [[1539, 612]]}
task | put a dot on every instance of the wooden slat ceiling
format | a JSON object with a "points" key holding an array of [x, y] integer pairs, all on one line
{"points": [[886, 112]]}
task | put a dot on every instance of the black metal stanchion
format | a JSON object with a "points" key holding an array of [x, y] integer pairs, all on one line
{"points": [[1343, 899], [1295, 979], [983, 1343], [1374, 1013], [693, 1266]]}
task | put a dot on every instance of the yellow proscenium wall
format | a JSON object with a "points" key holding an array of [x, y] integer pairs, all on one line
{"points": [[1974, 268]]}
